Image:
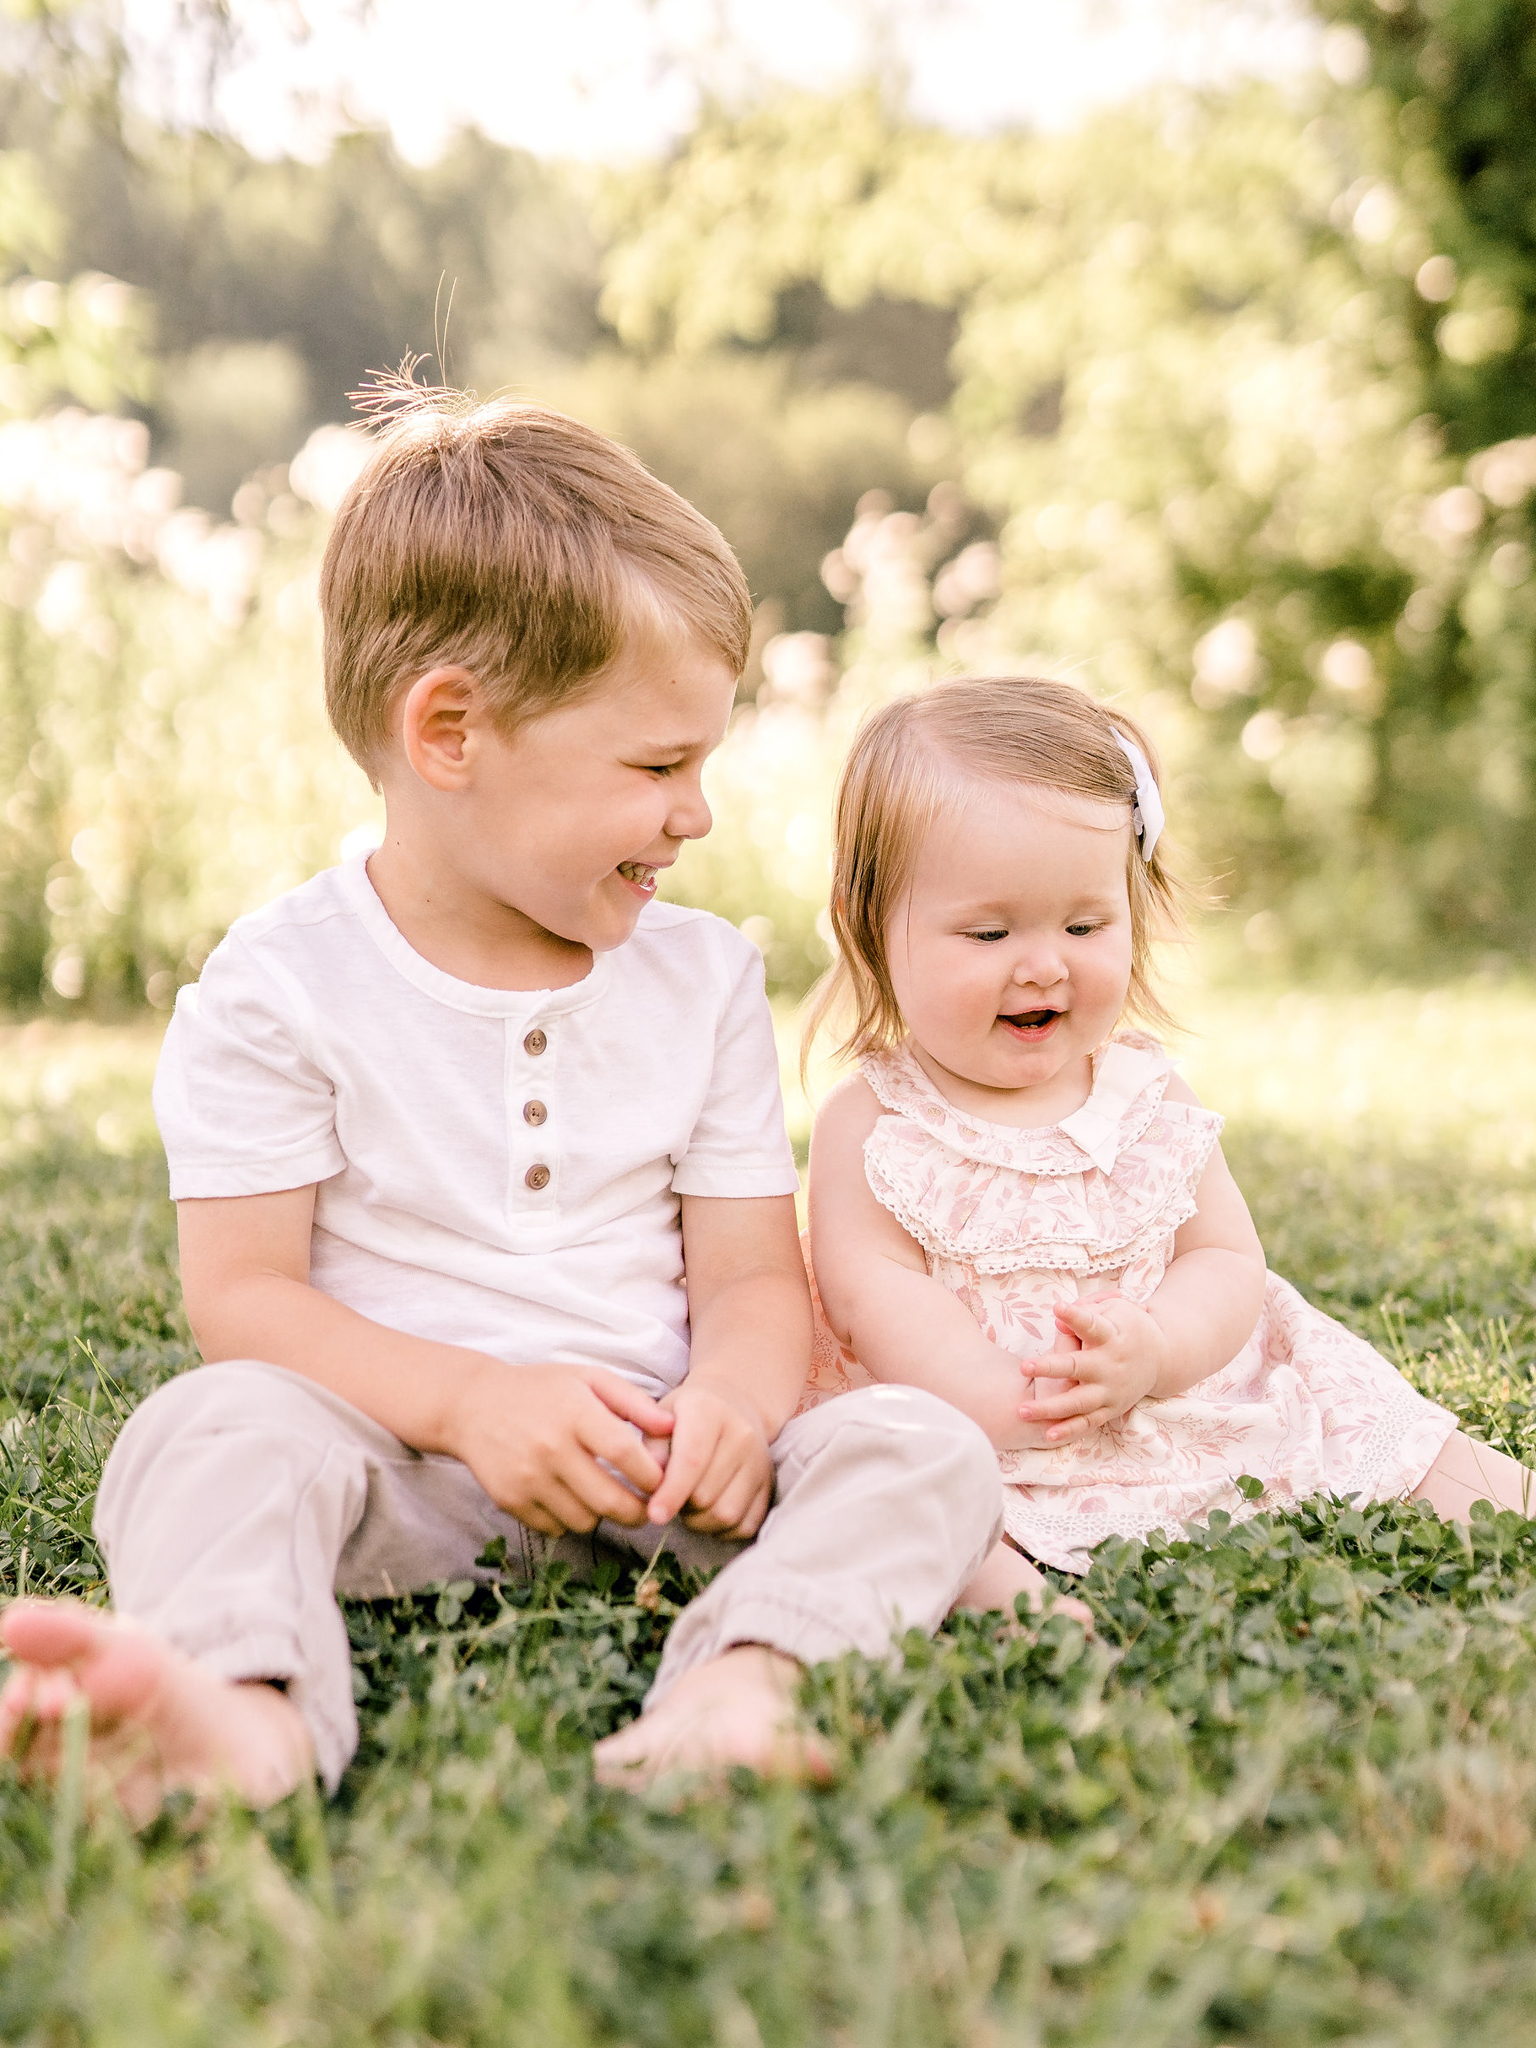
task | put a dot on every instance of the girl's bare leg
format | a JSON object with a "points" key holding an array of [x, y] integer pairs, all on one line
{"points": [[1007, 1572], [1467, 1471]]}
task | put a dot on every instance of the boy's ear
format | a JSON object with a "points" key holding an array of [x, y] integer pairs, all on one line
{"points": [[435, 718]]}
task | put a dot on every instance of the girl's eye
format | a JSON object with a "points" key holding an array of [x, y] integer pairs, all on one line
{"points": [[989, 937], [1081, 931]]}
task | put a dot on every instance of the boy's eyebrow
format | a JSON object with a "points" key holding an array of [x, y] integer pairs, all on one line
{"points": [[650, 748]]}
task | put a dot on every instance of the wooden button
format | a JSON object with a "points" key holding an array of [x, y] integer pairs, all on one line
{"points": [[534, 1112], [535, 1043], [537, 1178]]}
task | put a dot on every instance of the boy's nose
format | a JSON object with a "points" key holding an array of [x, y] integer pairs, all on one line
{"points": [[690, 816]]}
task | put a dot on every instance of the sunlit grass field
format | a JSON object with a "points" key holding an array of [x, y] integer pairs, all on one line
{"points": [[1287, 1796]]}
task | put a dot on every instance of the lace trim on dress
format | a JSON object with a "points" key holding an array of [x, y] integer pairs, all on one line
{"points": [[1019, 1229], [999, 1217], [902, 1087]]}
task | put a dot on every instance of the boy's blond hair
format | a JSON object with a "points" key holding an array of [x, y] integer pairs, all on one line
{"points": [[513, 542], [909, 763]]}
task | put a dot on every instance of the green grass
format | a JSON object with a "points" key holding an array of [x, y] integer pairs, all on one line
{"points": [[1288, 1796]]}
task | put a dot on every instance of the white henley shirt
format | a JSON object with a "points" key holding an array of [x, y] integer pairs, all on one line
{"points": [[498, 1169]]}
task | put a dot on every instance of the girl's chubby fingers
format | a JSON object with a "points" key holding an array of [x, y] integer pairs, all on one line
{"points": [[1089, 1327], [1066, 1432], [1081, 1400]]}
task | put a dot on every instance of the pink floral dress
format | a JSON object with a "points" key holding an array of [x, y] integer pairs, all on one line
{"points": [[1015, 1222]]}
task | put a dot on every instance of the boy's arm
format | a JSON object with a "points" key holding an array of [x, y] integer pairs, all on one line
{"points": [[531, 1434], [749, 1313], [880, 1299]]}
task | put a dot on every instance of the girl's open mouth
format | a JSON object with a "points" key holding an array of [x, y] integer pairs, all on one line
{"points": [[1032, 1025]]}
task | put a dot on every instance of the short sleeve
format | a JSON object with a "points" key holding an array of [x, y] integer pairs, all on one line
{"points": [[738, 1146], [242, 1109]]}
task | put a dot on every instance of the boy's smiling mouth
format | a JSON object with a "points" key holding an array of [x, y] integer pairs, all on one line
{"points": [[1032, 1025], [640, 876]]}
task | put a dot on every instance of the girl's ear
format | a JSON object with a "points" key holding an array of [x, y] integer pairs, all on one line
{"points": [[435, 717]]}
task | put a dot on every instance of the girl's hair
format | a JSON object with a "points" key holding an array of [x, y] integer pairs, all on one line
{"points": [[899, 778]]}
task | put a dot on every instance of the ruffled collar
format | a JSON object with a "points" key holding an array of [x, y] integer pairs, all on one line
{"points": [[1130, 1077]]}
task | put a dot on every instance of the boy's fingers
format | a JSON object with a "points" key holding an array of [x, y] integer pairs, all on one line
{"points": [[739, 1509], [576, 1493], [628, 1401], [692, 1448], [757, 1513], [605, 1437], [725, 1460], [534, 1516], [600, 1494]]}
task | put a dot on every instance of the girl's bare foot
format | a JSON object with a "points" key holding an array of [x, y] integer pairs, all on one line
{"points": [[1005, 1574], [160, 1723], [1467, 1471], [737, 1709]]}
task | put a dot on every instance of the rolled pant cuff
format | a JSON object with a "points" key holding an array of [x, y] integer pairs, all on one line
{"points": [[275, 1655], [809, 1637]]}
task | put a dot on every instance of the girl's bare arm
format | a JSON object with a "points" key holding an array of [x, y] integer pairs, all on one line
{"points": [[1204, 1310], [880, 1300]]}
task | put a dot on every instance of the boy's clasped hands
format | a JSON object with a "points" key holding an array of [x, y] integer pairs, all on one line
{"points": [[563, 1447]]}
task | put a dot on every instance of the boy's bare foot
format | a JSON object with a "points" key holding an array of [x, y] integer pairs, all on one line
{"points": [[737, 1709], [1005, 1574], [160, 1723]]}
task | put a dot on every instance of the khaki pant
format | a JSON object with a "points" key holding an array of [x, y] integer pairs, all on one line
{"points": [[241, 1498]]}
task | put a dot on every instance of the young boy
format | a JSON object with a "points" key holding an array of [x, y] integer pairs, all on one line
{"points": [[484, 1199]]}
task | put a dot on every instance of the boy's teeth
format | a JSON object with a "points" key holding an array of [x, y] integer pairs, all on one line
{"points": [[635, 871]]}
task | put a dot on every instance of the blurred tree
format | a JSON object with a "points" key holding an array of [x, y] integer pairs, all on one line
{"points": [[1447, 104], [778, 463], [277, 285], [1190, 388]]}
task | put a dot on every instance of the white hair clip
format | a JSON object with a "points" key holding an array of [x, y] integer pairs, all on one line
{"points": [[1147, 819]]}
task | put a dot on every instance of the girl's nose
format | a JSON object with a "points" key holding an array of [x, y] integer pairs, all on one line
{"points": [[1039, 966]]}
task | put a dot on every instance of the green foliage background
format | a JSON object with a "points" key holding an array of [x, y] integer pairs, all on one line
{"points": [[1223, 403]]}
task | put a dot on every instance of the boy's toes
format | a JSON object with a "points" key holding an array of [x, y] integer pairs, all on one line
{"points": [[48, 1631], [73, 1649], [53, 1695], [15, 1706]]}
